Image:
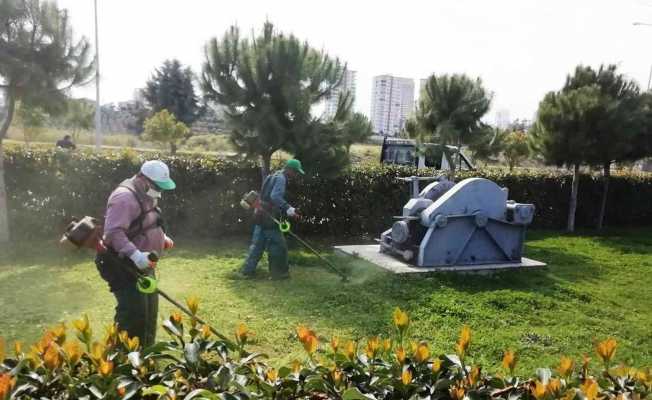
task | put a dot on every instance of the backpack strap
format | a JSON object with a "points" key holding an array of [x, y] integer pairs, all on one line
{"points": [[136, 228]]}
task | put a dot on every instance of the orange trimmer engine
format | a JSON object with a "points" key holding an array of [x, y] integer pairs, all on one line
{"points": [[250, 200], [83, 233]]}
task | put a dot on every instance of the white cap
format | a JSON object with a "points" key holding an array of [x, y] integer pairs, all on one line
{"points": [[158, 172]]}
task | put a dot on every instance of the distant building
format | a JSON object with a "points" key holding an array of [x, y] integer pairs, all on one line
{"points": [[392, 101], [503, 120], [347, 85]]}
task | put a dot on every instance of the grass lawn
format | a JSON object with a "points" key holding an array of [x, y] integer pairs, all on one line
{"points": [[595, 287]]}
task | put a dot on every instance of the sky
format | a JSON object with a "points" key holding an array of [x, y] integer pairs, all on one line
{"points": [[521, 49]]}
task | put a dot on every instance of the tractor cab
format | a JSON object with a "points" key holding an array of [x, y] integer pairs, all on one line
{"points": [[422, 155]]}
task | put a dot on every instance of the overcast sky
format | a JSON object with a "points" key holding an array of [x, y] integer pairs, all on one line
{"points": [[520, 48]]}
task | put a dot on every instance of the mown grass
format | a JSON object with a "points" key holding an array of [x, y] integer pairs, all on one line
{"points": [[595, 287]]}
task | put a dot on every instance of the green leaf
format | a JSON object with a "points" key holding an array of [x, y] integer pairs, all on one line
{"points": [[355, 394], [156, 389], [202, 394]]}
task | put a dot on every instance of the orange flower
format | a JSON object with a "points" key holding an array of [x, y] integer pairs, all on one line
{"points": [[400, 354], [58, 333], [176, 318], [303, 333], [335, 343], [310, 344], [7, 384], [122, 391], [52, 358], [271, 375], [566, 366], [242, 333], [422, 353], [373, 344], [436, 366], [585, 364], [350, 350], [457, 392], [401, 320], [474, 376], [106, 368], [463, 342], [406, 377], [538, 390], [387, 345], [606, 349], [509, 360], [553, 388], [590, 389], [193, 304], [73, 352]]}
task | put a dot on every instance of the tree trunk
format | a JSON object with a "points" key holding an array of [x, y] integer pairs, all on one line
{"points": [[4, 207], [266, 160], [573, 198], [606, 174], [173, 148]]}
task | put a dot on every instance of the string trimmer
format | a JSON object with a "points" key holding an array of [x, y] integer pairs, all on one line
{"points": [[252, 200]]}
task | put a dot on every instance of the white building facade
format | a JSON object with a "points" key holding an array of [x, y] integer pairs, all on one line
{"points": [[347, 85], [392, 102]]}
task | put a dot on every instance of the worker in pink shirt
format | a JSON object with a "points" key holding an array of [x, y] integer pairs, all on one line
{"points": [[133, 228]]}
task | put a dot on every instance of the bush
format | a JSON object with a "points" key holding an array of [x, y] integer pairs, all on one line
{"points": [[47, 187], [201, 363]]}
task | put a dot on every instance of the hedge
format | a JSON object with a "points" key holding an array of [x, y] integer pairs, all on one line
{"points": [[197, 364], [47, 187]]}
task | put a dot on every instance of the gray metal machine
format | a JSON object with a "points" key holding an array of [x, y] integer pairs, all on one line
{"points": [[464, 224]]}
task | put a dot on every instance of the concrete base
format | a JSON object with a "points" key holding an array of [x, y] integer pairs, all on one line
{"points": [[372, 254]]}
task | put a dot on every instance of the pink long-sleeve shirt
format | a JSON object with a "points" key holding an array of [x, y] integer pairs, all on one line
{"points": [[122, 209]]}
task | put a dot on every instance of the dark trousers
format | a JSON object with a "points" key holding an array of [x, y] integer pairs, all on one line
{"points": [[272, 240], [135, 312]]}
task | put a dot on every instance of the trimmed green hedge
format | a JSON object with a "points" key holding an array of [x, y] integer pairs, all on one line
{"points": [[47, 187]]}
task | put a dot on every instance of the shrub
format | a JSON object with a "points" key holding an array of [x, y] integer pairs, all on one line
{"points": [[47, 187], [195, 363]]}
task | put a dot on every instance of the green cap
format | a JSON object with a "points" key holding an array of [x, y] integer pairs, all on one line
{"points": [[295, 165]]}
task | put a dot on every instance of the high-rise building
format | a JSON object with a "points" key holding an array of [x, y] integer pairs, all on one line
{"points": [[347, 84], [392, 101]]}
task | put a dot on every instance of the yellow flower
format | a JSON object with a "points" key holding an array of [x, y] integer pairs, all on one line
{"points": [[606, 349], [82, 325], [242, 333], [123, 336], [413, 346], [463, 342], [296, 366], [206, 332], [590, 389], [73, 352], [97, 352], [18, 348], [474, 376], [406, 377], [350, 350], [400, 354], [51, 358], [337, 376], [335, 343], [422, 353], [310, 344], [106, 368], [436, 366], [176, 318], [553, 388], [133, 343], [271, 375], [387, 345], [538, 390], [7, 384], [401, 320], [569, 395], [509, 360], [193, 304], [58, 333], [645, 378], [566, 365], [457, 392], [373, 344]]}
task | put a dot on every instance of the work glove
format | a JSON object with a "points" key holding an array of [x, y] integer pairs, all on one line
{"points": [[292, 212], [168, 243], [142, 261]]}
